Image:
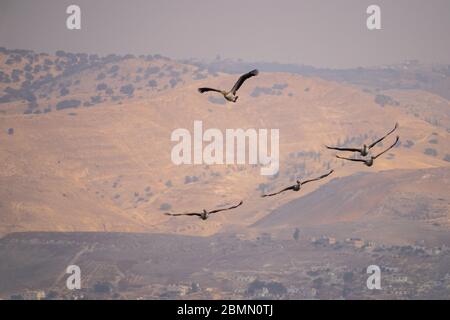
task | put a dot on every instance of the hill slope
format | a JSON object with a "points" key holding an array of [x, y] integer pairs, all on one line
{"points": [[105, 165], [389, 206]]}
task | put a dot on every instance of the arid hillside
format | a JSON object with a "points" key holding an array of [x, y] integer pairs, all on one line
{"points": [[386, 207], [85, 142]]}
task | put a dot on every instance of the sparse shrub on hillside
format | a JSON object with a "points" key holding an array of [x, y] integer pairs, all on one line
{"points": [[263, 187], [151, 70], [430, 152], [10, 131], [165, 207], [173, 82], [190, 179], [101, 76], [33, 105], [433, 141], [67, 104], [216, 100], [15, 75], [265, 91], [4, 77], [101, 86], [109, 91], [152, 84], [307, 90], [64, 91], [96, 99], [384, 100], [127, 89], [447, 158], [408, 144], [169, 184], [199, 76], [113, 69], [174, 74], [280, 86], [37, 68]]}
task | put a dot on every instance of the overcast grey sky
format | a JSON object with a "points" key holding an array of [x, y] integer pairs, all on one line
{"points": [[323, 33]]}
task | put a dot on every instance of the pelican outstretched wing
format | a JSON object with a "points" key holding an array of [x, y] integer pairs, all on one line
{"points": [[344, 149], [218, 210], [202, 90], [182, 214], [350, 159], [321, 177], [281, 191], [242, 79], [393, 145], [382, 138]]}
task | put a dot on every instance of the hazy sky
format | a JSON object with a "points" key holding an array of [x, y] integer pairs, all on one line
{"points": [[324, 33]]}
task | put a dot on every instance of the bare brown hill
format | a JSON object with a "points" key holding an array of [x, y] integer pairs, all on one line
{"points": [[105, 166], [387, 207]]}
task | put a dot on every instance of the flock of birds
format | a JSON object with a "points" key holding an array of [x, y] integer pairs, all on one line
{"points": [[364, 151]]}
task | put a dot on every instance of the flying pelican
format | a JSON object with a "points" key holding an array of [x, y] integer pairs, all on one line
{"points": [[298, 185], [204, 214], [369, 161], [364, 151], [231, 95]]}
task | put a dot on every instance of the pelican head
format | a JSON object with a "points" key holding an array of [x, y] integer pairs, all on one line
{"points": [[365, 150], [369, 162], [204, 215]]}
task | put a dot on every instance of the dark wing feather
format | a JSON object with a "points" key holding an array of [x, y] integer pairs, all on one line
{"points": [[393, 145], [344, 149], [382, 138], [218, 210], [201, 90], [273, 194], [350, 159], [241, 80], [321, 177], [182, 214]]}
